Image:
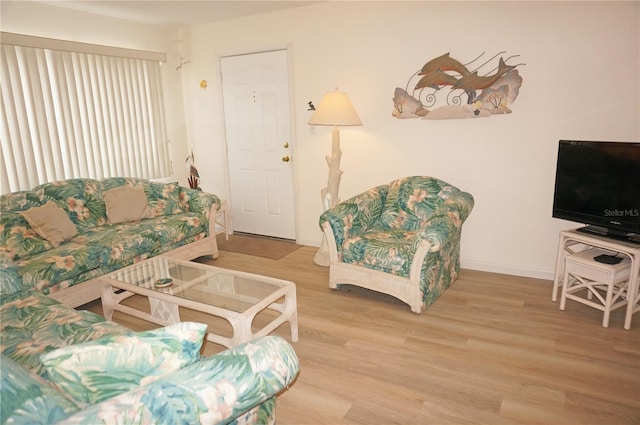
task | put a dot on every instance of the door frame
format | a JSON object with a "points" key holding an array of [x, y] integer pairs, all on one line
{"points": [[293, 145]]}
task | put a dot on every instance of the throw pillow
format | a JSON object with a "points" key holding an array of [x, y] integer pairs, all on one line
{"points": [[51, 222], [94, 371], [18, 238], [126, 203]]}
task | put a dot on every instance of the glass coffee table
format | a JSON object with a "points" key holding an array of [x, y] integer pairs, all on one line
{"points": [[232, 295]]}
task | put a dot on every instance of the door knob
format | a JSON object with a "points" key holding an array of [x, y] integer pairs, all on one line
{"points": [[285, 145], [286, 158]]}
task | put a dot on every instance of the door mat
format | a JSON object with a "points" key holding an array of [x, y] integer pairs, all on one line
{"points": [[257, 246]]}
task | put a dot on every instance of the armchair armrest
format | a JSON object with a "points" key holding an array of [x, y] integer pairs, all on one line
{"points": [[356, 214], [216, 389], [447, 220]]}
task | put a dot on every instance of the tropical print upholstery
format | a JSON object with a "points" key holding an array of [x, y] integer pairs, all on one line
{"points": [[29, 399], [17, 238], [236, 386], [382, 228], [32, 324], [94, 371], [179, 216]]}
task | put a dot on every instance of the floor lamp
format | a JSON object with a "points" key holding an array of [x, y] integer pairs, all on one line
{"points": [[335, 110]]}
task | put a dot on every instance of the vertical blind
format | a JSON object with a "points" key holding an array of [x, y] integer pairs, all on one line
{"points": [[69, 114]]}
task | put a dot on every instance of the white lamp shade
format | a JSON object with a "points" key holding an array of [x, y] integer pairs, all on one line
{"points": [[335, 109]]}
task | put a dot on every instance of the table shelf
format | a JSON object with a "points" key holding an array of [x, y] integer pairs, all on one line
{"points": [[572, 243]]}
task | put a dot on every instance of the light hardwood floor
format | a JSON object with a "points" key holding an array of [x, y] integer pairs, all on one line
{"points": [[493, 349]]}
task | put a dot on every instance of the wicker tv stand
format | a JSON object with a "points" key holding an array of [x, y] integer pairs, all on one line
{"points": [[573, 241]]}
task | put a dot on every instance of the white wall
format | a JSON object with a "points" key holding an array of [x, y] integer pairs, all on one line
{"points": [[43, 20], [581, 81]]}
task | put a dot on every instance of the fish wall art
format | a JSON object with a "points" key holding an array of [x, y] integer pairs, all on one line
{"points": [[446, 88]]}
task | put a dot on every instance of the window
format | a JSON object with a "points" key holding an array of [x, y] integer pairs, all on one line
{"points": [[73, 110]]}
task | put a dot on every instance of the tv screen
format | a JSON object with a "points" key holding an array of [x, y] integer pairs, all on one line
{"points": [[598, 184]]}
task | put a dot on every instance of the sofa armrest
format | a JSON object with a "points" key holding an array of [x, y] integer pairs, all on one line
{"points": [[356, 214], [447, 220], [203, 203], [215, 389], [28, 398]]}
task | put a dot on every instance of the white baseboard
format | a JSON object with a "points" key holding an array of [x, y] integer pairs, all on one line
{"points": [[308, 243], [505, 269]]}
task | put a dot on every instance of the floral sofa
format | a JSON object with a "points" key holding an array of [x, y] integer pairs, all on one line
{"points": [[402, 239], [60, 237], [61, 365]]}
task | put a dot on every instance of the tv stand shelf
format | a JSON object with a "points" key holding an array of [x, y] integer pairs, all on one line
{"points": [[574, 241]]}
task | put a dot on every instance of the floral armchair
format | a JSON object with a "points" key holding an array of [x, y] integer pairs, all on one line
{"points": [[402, 239]]}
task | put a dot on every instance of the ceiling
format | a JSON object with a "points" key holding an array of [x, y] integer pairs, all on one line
{"points": [[176, 12]]}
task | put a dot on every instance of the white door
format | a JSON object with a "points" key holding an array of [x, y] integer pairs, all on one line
{"points": [[256, 109]]}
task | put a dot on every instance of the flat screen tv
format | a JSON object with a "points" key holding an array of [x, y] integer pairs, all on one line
{"points": [[598, 184]]}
